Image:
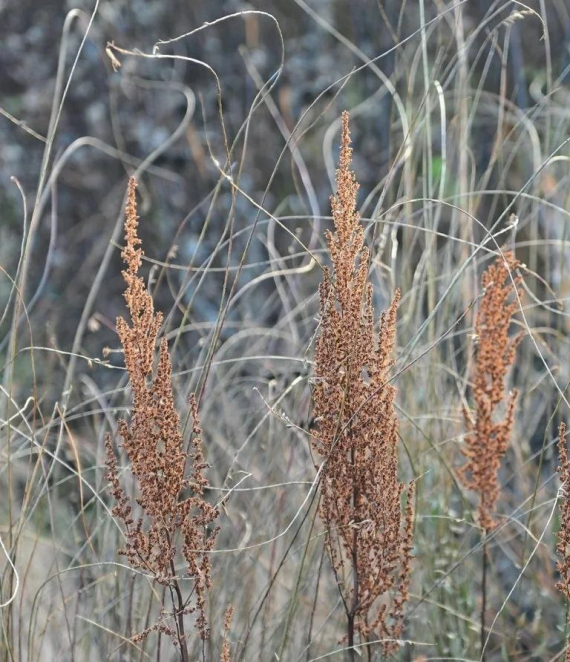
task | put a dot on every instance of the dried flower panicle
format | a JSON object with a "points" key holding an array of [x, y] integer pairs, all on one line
{"points": [[168, 513], [368, 537], [226, 651], [490, 426]]}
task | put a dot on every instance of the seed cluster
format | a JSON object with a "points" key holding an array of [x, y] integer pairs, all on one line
{"points": [[167, 514], [489, 426], [369, 538]]}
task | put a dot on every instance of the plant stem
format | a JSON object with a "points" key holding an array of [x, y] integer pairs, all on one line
{"points": [[483, 599], [354, 607], [180, 618], [293, 600], [351, 657], [314, 609]]}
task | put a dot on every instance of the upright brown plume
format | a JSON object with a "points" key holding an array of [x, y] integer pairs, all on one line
{"points": [[369, 538], [488, 433], [167, 513]]}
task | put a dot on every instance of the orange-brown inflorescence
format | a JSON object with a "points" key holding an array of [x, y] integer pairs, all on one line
{"points": [[170, 514], [369, 538], [226, 652], [563, 543], [489, 426]]}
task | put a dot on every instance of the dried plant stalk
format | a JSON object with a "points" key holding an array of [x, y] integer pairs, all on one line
{"points": [[563, 543], [489, 428], [369, 538], [168, 513], [488, 433]]}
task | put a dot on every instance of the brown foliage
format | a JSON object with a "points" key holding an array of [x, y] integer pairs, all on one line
{"points": [[489, 432], [170, 514], [368, 537]]}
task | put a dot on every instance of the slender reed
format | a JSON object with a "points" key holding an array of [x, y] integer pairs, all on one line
{"points": [[369, 538], [490, 425], [168, 513]]}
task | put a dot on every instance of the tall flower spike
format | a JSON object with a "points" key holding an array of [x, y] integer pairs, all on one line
{"points": [[563, 544], [167, 514], [369, 538], [488, 434]]}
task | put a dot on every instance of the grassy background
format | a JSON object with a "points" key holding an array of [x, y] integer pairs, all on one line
{"points": [[460, 124]]}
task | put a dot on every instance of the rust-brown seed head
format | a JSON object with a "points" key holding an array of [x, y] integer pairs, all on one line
{"points": [[368, 537], [490, 425], [167, 514]]}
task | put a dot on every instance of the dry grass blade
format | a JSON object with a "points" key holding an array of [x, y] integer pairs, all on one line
{"points": [[368, 537], [170, 515]]}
